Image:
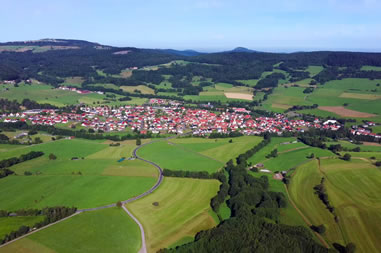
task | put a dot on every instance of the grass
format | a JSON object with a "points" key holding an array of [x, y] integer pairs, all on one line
{"points": [[173, 157], [353, 189], [182, 211], [219, 149], [62, 148], [46, 94], [224, 211], [142, 88], [314, 70], [302, 193], [370, 68], [9, 224], [69, 190], [288, 215], [103, 179], [107, 230]]}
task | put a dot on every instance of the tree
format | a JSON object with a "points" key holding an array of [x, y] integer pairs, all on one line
{"points": [[350, 248], [138, 142], [119, 204], [347, 157], [52, 156], [230, 141]]}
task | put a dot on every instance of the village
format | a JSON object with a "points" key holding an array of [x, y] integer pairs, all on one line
{"points": [[166, 116]]}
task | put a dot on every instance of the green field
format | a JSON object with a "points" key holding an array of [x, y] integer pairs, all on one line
{"points": [[102, 180], [219, 149], [353, 189], [182, 211], [9, 224], [359, 94], [173, 157], [107, 230], [290, 155], [42, 93]]}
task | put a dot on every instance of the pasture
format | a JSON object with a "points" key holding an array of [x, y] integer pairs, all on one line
{"points": [[42, 93], [174, 157], [181, 211], [96, 178], [290, 155], [10, 224], [219, 149], [353, 189], [107, 230], [138, 89]]}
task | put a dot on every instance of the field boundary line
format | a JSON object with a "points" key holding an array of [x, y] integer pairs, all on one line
{"points": [[305, 219], [143, 249], [37, 230]]}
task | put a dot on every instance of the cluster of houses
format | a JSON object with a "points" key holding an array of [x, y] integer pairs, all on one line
{"points": [[162, 116], [364, 130]]}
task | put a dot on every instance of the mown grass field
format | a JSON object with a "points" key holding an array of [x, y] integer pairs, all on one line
{"points": [[219, 149], [9, 224], [107, 230], [182, 211], [174, 157], [290, 155], [102, 179], [141, 88], [353, 189]]}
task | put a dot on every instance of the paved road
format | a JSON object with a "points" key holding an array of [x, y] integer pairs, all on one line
{"points": [[158, 182]]}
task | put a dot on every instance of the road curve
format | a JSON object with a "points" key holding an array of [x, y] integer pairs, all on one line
{"points": [[158, 182]]}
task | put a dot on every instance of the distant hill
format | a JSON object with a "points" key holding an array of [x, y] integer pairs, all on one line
{"points": [[243, 50], [180, 52], [52, 42]]}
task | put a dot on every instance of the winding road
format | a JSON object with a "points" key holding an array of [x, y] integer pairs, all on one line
{"points": [[158, 182]]}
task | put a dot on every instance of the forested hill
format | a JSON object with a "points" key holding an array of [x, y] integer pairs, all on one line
{"points": [[52, 60]]}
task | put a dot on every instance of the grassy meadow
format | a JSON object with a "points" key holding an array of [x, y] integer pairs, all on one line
{"points": [[352, 188], [181, 212], [95, 179], [107, 230]]}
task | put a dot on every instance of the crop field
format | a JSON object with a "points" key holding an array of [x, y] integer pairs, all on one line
{"points": [[107, 230], [95, 180], [353, 189], [219, 149], [174, 157], [285, 97], [360, 96], [181, 211], [9, 224]]}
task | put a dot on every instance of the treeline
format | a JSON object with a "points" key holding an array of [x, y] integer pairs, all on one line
{"points": [[270, 81], [6, 163], [216, 135], [52, 214], [68, 132], [321, 191], [301, 107], [252, 206], [8, 106]]}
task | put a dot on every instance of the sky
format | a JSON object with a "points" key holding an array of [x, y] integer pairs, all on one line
{"points": [[204, 25]]}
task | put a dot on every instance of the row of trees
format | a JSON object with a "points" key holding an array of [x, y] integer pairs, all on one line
{"points": [[52, 214]]}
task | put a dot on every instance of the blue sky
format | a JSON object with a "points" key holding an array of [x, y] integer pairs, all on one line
{"points": [[209, 25]]}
